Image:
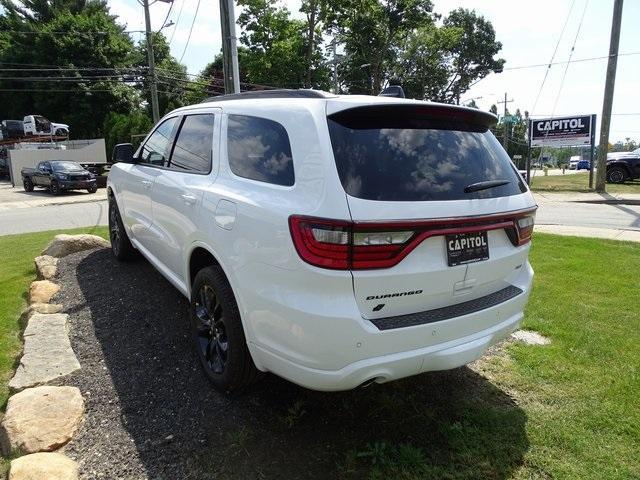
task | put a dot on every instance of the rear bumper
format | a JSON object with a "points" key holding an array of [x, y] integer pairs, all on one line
{"points": [[343, 353], [382, 369]]}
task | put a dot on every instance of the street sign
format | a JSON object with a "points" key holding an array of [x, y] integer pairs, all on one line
{"points": [[561, 131], [509, 119]]}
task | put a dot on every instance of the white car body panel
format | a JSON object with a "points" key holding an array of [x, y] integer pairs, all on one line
{"points": [[308, 324]]}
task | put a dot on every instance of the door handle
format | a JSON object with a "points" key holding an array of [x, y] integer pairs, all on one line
{"points": [[188, 199], [146, 183]]}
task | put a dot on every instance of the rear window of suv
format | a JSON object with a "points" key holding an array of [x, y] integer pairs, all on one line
{"points": [[408, 153]]}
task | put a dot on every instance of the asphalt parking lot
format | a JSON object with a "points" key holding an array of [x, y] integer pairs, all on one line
{"points": [[151, 414]]}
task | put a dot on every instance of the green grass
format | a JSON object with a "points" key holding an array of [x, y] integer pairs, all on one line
{"points": [[17, 271], [578, 182], [579, 395], [569, 410]]}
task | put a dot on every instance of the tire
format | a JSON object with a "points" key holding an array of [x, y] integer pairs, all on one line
{"points": [[121, 246], [616, 175], [217, 333], [92, 189], [54, 188], [28, 185]]}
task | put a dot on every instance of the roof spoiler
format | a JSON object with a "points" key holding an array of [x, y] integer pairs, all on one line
{"points": [[392, 91]]}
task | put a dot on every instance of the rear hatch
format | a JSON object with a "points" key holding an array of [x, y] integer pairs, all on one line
{"points": [[440, 214]]}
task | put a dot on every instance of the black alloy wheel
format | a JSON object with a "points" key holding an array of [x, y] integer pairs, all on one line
{"points": [[616, 175], [212, 342], [114, 229], [218, 336], [121, 246], [28, 185], [55, 188]]}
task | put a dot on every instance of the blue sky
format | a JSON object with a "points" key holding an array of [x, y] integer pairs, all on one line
{"points": [[529, 32]]}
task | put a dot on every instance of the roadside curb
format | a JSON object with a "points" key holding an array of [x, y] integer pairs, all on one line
{"points": [[28, 204], [590, 232]]}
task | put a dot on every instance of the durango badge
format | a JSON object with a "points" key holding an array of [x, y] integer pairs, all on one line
{"points": [[399, 294]]}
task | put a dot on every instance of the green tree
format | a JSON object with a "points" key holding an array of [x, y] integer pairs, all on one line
{"points": [[173, 83], [92, 58], [125, 128], [441, 62], [277, 48], [373, 32]]}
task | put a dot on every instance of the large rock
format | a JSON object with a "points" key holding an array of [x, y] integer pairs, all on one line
{"points": [[47, 353], [63, 245], [41, 291], [43, 466], [43, 308], [41, 419], [46, 266]]}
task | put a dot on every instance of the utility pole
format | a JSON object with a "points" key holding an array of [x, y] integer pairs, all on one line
{"points": [[229, 47], [504, 141], [608, 96], [155, 110]]}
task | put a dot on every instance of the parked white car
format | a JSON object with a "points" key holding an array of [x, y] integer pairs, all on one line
{"points": [[39, 125], [332, 240], [573, 162]]}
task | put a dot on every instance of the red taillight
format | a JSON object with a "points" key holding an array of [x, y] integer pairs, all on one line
{"points": [[524, 227], [345, 245], [321, 242]]}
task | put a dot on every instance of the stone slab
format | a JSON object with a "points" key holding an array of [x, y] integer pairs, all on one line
{"points": [[42, 291], [41, 419], [43, 466], [530, 337], [47, 353], [63, 244], [46, 267]]}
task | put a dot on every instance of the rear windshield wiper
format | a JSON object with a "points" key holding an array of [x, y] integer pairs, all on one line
{"points": [[475, 187]]}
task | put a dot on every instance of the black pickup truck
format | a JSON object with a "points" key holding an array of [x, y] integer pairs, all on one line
{"points": [[57, 176], [622, 166]]}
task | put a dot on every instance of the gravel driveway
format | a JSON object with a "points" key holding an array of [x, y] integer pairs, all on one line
{"points": [[152, 415]]}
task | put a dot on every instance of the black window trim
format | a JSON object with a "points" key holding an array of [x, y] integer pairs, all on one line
{"points": [[225, 135], [174, 138]]}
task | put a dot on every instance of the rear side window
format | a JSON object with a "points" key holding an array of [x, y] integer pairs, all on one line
{"points": [[192, 150], [259, 149], [410, 154]]}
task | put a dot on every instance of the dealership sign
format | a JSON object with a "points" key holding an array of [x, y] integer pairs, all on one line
{"points": [[562, 131]]}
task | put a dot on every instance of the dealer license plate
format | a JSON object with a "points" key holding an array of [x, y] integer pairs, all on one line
{"points": [[467, 248]]}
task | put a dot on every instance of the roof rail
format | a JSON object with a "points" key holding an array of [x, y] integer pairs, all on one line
{"points": [[278, 93]]}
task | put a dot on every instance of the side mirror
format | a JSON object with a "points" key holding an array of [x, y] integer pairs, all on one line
{"points": [[123, 152]]}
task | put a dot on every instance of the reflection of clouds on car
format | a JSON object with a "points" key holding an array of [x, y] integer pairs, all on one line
{"points": [[259, 149]]}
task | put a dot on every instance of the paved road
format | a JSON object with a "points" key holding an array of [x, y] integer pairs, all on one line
{"points": [[556, 212], [52, 217], [553, 211]]}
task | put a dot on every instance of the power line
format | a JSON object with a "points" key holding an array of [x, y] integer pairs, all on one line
{"points": [[175, 27], [564, 75], [590, 59], [193, 22], [555, 50]]}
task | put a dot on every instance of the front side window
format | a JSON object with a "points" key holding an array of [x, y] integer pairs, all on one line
{"points": [[259, 149], [193, 148], [155, 149]]}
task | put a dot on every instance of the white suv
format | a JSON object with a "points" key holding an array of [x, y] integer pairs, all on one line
{"points": [[331, 240]]}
